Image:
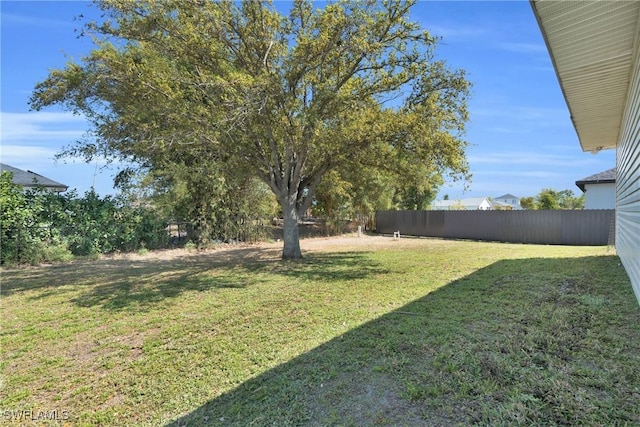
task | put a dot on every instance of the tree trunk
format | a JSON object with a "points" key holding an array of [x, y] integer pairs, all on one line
{"points": [[291, 249]]}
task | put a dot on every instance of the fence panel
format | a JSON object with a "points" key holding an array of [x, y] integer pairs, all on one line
{"points": [[561, 227]]}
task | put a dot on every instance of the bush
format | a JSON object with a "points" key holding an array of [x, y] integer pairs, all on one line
{"points": [[15, 222], [56, 253], [40, 226]]}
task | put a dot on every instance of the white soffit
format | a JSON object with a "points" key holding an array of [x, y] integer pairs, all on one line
{"points": [[592, 44]]}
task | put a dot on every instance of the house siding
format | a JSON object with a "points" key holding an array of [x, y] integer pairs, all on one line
{"points": [[600, 196], [628, 183]]}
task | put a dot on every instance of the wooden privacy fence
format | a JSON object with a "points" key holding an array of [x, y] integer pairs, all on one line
{"points": [[562, 227]]}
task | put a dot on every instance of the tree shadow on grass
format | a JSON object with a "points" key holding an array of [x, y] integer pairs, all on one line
{"points": [[117, 284], [508, 344]]}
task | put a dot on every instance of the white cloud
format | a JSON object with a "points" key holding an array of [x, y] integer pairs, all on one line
{"points": [[41, 126], [504, 129], [520, 158], [26, 20], [538, 174], [505, 119], [488, 36], [16, 153], [524, 113], [44, 117]]}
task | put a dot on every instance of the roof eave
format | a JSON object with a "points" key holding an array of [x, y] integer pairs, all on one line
{"points": [[596, 110], [582, 184]]}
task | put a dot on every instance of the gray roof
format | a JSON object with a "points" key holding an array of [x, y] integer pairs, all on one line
{"points": [[506, 196], [606, 177], [31, 179]]}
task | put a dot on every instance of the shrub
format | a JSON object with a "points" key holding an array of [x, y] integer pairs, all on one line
{"points": [[56, 253]]}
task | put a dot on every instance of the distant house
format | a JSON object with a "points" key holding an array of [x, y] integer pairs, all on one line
{"points": [[509, 200], [599, 190], [471, 204], [29, 180]]}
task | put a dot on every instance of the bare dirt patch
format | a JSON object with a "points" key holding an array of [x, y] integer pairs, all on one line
{"points": [[273, 250]]}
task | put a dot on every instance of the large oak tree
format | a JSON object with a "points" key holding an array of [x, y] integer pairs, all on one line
{"points": [[285, 97]]}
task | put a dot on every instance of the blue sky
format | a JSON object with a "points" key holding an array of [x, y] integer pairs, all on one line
{"points": [[521, 136]]}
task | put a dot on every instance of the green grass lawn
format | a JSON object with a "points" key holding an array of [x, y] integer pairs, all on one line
{"points": [[410, 332]]}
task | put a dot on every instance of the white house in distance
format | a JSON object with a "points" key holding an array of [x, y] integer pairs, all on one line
{"points": [[29, 180], [595, 49], [599, 190], [509, 200], [470, 204]]}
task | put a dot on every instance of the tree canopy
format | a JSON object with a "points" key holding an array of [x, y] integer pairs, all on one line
{"points": [[354, 86], [550, 199]]}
